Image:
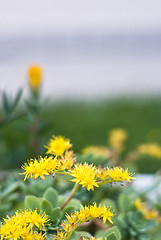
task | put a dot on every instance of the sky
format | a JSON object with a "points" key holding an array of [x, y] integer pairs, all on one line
{"points": [[20, 17]]}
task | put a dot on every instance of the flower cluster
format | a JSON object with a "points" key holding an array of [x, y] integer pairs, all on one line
{"points": [[21, 225], [118, 174], [117, 138], [85, 175], [151, 149], [90, 176], [148, 214], [58, 145], [48, 165], [83, 215]]}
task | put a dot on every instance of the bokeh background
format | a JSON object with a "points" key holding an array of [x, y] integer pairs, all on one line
{"points": [[88, 49], [101, 64]]}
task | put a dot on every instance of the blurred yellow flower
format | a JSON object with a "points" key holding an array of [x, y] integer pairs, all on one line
{"points": [[118, 174], [58, 145], [66, 161], [97, 151], [148, 214], [117, 138], [151, 149], [35, 75]]}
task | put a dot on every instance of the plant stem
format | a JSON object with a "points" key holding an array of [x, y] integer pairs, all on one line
{"points": [[71, 195], [76, 226], [35, 135]]}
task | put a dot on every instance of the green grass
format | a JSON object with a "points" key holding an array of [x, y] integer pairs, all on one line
{"points": [[88, 124]]}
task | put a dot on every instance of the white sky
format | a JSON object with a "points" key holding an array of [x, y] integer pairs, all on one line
{"points": [[19, 17]]}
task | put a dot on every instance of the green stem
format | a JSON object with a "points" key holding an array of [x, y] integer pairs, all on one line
{"points": [[35, 135], [9, 119], [71, 195], [76, 226], [107, 181], [63, 173]]}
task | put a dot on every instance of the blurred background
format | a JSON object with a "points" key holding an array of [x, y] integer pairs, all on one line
{"points": [[101, 64], [88, 49]]}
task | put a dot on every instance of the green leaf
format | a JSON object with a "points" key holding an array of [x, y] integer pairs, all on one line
{"points": [[69, 210], [17, 99], [83, 234], [144, 237], [73, 236], [122, 221], [32, 202], [12, 197], [56, 213], [52, 196], [61, 199], [6, 103], [112, 233], [147, 226], [5, 207], [74, 203], [99, 233], [11, 188], [46, 206], [132, 231], [123, 202], [112, 236], [108, 203]]}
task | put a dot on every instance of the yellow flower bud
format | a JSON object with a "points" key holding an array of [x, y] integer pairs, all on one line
{"points": [[35, 75]]}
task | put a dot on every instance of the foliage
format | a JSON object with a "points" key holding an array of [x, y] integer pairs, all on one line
{"points": [[90, 121]]}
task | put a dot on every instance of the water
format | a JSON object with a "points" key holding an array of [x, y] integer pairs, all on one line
{"points": [[84, 66]]}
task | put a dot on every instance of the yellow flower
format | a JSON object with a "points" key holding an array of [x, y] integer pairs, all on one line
{"points": [[139, 204], [71, 218], [35, 73], [21, 225], [35, 236], [83, 215], [151, 149], [97, 151], [107, 215], [117, 138], [95, 211], [39, 168], [66, 161], [58, 145], [86, 213], [84, 175], [148, 214], [102, 173], [34, 218], [61, 235], [118, 174]]}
